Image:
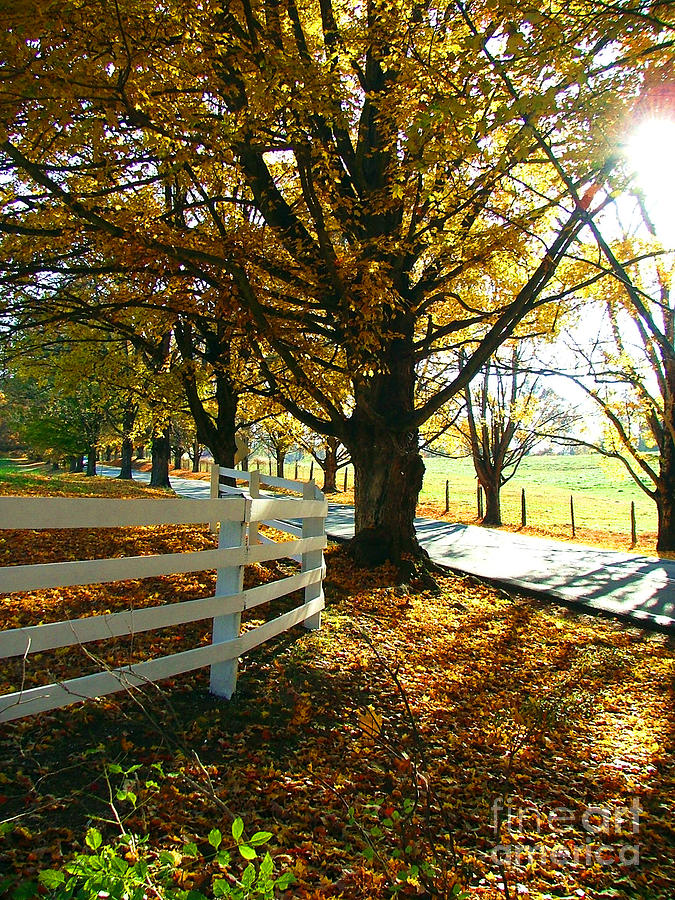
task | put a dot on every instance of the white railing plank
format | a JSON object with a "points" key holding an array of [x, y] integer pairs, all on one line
{"points": [[276, 508], [269, 480], [283, 526], [100, 684], [100, 571], [283, 549], [256, 636], [52, 635], [55, 696], [297, 557], [93, 512]]}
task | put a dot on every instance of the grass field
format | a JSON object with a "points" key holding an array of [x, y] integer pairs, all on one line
{"points": [[602, 494], [29, 481], [10, 465]]}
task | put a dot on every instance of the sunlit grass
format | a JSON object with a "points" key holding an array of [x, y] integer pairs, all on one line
{"points": [[17, 480]]}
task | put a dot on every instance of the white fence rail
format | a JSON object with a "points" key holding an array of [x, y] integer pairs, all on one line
{"points": [[254, 481], [238, 546]]}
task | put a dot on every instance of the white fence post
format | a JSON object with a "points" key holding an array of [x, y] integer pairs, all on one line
{"points": [[313, 559], [254, 491], [215, 492], [223, 679]]}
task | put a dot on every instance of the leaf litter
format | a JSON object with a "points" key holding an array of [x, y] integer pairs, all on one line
{"points": [[469, 738]]}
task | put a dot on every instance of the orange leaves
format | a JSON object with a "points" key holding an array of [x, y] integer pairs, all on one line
{"points": [[302, 711], [301, 750], [370, 723]]}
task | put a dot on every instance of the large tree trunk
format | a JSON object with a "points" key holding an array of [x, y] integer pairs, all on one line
{"points": [[388, 468], [330, 466], [387, 482], [161, 456], [493, 511], [91, 461], [665, 505]]}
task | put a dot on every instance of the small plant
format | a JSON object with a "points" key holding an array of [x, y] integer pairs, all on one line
{"points": [[410, 855], [129, 869], [257, 881], [602, 661]]}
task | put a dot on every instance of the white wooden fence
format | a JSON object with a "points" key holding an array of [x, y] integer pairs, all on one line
{"points": [[255, 480], [238, 516]]}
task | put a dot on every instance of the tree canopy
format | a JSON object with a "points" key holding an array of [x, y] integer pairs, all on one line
{"points": [[341, 181]]}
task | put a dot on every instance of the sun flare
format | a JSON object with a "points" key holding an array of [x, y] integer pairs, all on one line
{"points": [[651, 153]]}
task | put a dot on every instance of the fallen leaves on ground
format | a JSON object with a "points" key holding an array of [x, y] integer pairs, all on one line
{"points": [[61, 484], [392, 738]]}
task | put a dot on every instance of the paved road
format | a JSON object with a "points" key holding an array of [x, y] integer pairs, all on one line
{"points": [[639, 588]]}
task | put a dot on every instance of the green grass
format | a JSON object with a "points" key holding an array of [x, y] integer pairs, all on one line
{"points": [[9, 465], [602, 493]]}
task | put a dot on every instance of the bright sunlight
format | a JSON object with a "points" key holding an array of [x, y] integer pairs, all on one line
{"points": [[650, 151]]}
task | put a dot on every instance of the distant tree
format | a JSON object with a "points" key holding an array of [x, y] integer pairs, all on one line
{"points": [[57, 424], [9, 436], [507, 411], [63, 392], [328, 453], [195, 452], [276, 432]]}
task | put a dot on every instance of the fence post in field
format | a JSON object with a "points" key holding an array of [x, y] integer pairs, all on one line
{"points": [[254, 491], [311, 471], [344, 486], [523, 508], [214, 492], [574, 531], [633, 524], [313, 559], [230, 580], [447, 496], [479, 500]]}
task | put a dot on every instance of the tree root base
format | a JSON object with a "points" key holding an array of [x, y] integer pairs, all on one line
{"points": [[372, 548], [417, 573]]}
